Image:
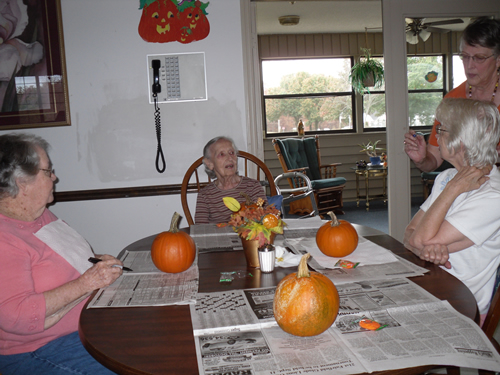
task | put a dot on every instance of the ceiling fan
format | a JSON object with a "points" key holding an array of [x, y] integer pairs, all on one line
{"points": [[416, 27]]}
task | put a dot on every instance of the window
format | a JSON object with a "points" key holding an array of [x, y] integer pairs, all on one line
{"points": [[374, 106], [425, 92], [425, 88], [316, 91], [458, 71]]}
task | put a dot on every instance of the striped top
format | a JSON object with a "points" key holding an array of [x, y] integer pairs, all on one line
{"points": [[211, 209]]}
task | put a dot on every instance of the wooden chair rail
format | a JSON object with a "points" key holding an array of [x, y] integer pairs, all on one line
{"points": [[129, 192]]}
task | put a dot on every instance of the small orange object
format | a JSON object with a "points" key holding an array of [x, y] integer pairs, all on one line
{"points": [[369, 324], [270, 221], [222, 225]]}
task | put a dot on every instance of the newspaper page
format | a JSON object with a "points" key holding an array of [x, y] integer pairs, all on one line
{"points": [[211, 238], [254, 307], [416, 335], [146, 285]]}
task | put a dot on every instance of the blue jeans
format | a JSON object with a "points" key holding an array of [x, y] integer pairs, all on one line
{"points": [[65, 355]]}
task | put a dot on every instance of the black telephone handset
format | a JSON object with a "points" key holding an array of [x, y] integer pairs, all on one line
{"points": [[156, 88], [156, 76]]}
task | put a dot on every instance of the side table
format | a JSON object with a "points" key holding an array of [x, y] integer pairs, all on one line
{"points": [[367, 173]]}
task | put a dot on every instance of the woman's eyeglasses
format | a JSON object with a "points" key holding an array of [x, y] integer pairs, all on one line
{"points": [[48, 172], [440, 129], [475, 58]]}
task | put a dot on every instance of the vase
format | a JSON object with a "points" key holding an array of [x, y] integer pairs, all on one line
{"points": [[251, 249], [375, 160]]}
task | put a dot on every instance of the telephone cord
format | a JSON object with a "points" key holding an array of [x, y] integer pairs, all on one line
{"points": [[159, 151]]}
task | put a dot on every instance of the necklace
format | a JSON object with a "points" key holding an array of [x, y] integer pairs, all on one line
{"points": [[494, 91]]}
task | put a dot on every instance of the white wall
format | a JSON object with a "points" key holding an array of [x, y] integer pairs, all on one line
{"points": [[111, 141]]}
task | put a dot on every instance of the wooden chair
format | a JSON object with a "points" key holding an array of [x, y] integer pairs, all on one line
{"points": [[303, 155], [250, 163]]}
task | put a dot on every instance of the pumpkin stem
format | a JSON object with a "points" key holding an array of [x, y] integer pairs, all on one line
{"points": [[303, 270], [174, 224], [335, 222]]}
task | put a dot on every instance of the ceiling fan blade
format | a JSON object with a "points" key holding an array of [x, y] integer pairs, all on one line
{"points": [[445, 22], [436, 30]]}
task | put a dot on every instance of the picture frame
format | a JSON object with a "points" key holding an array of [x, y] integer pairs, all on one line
{"points": [[34, 90]]}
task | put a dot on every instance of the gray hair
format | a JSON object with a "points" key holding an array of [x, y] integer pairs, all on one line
{"points": [[207, 153], [473, 123], [483, 32], [19, 160]]}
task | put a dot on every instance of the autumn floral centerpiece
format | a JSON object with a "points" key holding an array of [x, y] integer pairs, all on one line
{"points": [[254, 221]]}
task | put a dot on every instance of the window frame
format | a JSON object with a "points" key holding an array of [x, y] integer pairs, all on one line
{"points": [[351, 93]]}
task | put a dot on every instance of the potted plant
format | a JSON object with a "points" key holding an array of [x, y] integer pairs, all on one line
{"points": [[366, 73], [371, 149]]}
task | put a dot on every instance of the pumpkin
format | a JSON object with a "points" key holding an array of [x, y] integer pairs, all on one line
{"points": [[159, 21], [305, 303], [173, 251], [193, 21], [337, 238]]}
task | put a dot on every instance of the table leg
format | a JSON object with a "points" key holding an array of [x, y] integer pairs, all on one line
{"points": [[367, 186], [357, 189]]}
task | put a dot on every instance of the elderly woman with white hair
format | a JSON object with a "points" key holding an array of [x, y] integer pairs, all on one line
{"points": [[458, 226], [220, 157]]}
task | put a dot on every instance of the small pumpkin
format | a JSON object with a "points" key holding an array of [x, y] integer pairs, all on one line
{"points": [[305, 303], [173, 251], [337, 238]]}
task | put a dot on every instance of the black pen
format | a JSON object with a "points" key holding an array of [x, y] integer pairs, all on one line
{"points": [[97, 260]]}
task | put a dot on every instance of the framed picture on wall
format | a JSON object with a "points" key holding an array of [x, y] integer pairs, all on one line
{"points": [[33, 79]]}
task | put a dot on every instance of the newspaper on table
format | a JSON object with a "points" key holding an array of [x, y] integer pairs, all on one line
{"points": [[235, 333], [211, 238], [146, 285]]}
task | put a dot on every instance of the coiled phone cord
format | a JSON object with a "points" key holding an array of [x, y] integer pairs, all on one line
{"points": [[159, 151]]}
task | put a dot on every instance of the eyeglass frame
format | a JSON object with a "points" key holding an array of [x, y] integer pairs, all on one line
{"points": [[48, 172], [439, 130], [475, 58]]}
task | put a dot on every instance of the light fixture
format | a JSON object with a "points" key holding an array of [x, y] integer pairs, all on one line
{"points": [[424, 34], [289, 20], [411, 37]]}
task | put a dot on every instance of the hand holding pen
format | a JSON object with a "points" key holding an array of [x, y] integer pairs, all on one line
{"points": [[97, 260]]}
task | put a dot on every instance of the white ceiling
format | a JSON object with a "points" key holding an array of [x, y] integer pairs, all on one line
{"points": [[326, 16]]}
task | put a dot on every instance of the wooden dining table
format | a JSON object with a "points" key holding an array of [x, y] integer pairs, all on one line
{"points": [[159, 339]]}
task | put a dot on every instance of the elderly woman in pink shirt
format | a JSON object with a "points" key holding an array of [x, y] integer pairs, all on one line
{"points": [[44, 269]]}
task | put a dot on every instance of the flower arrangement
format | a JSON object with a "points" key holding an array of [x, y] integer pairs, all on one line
{"points": [[253, 221]]}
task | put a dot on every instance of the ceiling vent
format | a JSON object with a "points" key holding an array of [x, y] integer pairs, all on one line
{"points": [[289, 20]]}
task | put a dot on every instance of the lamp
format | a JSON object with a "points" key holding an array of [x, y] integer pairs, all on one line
{"points": [[424, 34], [411, 37], [289, 20]]}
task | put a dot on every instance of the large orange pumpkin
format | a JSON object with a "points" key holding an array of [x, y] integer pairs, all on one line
{"points": [[337, 238], [173, 251], [305, 303]]}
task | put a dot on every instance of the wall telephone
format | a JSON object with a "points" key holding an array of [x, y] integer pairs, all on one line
{"points": [[174, 78]]}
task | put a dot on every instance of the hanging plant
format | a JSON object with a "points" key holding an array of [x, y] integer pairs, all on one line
{"points": [[367, 73]]}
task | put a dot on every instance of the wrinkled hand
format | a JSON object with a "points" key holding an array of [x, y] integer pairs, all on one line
{"points": [[470, 178], [437, 254], [102, 274], [415, 146]]}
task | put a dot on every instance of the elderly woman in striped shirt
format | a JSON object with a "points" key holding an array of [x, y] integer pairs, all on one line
{"points": [[221, 164]]}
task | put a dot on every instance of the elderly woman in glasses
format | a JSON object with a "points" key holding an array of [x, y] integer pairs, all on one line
{"points": [[458, 226], [45, 275], [480, 53], [220, 157]]}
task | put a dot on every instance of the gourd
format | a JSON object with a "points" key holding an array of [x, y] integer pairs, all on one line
{"points": [[337, 238], [305, 303], [173, 251]]}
